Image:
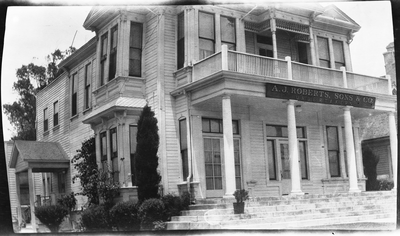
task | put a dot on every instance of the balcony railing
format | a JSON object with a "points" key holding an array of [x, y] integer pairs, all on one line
{"points": [[286, 69]]}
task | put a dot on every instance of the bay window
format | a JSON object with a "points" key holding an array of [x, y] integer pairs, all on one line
{"points": [[206, 35]]}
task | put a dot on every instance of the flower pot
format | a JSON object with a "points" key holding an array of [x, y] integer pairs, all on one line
{"points": [[238, 207]]}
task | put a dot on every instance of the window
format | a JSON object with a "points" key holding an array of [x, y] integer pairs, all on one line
{"points": [[135, 49], [74, 103], [333, 151], [132, 144], [103, 58], [278, 147], [61, 182], [113, 53], [206, 34], [238, 163], [114, 154], [271, 159], [228, 33], [302, 49], [338, 53], [323, 52], [103, 150], [181, 40], [215, 126], [264, 45], [45, 120], [55, 113], [88, 78], [213, 164], [184, 148]]}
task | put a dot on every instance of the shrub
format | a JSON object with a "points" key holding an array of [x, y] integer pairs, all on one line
{"points": [[51, 216], [185, 198], [150, 211], [108, 190], [68, 201], [96, 218], [241, 195], [173, 206], [125, 216], [385, 185]]}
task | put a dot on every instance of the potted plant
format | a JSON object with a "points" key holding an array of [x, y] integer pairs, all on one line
{"points": [[241, 195]]}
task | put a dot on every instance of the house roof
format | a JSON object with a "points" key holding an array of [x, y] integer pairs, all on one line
{"points": [[27, 152], [121, 103]]}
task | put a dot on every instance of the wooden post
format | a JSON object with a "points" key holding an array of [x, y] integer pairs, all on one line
{"points": [[32, 198], [289, 67], [343, 69]]}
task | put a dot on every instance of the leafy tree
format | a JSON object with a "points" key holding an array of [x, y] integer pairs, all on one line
{"points": [[146, 159], [88, 174], [370, 162], [22, 113]]}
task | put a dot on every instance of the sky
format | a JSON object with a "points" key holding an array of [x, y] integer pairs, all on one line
{"points": [[34, 32]]}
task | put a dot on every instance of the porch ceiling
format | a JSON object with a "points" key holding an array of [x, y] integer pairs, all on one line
{"points": [[40, 156]]}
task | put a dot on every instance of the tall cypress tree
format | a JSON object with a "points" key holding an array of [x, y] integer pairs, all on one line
{"points": [[146, 159]]}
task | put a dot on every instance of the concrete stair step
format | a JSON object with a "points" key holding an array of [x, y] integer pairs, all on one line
{"points": [[280, 223], [264, 213]]}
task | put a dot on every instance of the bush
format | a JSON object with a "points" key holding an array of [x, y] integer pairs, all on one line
{"points": [[96, 218], [51, 216], [385, 185], [125, 216], [185, 200], [67, 201], [150, 211], [173, 206]]}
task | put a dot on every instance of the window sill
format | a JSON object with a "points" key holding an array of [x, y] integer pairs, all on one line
{"points": [[56, 127], [87, 110], [73, 117], [47, 132]]}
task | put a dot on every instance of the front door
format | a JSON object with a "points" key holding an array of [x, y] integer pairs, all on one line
{"points": [[214, 166], [213, 160], [285, 170]]}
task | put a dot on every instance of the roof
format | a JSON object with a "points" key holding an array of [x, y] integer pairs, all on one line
{"points": [[117, 104], [37, 152]]}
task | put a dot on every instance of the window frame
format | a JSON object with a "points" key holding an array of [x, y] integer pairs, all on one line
{"points": [[328, 149], [231, 44], [45, 120], [103, 57], [220, 126], [335, 51], [328, 60], [88, 78], [74, 94], [132, 151], [135, 48], [112, 67], [103, 150], [55, 113], [180, 60], [203, 38], [184, 150]]}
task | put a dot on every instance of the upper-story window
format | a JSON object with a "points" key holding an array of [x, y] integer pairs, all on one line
{"points": [[323, 52], [206, 35], [88, 78], [338, 53], [45, 120], [74, 95], [264, 46], [113, 53], [181, 40], [103, 58], [228, 33], [114, 153], [55, 113], [135, 49]]}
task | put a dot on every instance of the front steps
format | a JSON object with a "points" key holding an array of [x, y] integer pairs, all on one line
{"points": [[289, 212]]}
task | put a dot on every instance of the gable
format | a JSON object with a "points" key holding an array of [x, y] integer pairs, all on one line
{"points": [[335, 15]]}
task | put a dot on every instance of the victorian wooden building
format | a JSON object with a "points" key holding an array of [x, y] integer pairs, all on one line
{"points": [[247, 97]]}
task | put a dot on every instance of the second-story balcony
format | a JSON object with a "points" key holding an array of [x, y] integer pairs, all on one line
{"points": [[250, 64]]}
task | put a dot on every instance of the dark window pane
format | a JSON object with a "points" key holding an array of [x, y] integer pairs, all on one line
{"points": [[271, 159], [303, 160], [206, 48], [205, 123], [214, 126], [334, 165], [264, 39]]}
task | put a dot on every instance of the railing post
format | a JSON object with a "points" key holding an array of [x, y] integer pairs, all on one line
{"points": [[289, 67], [343, 69], [389, 80], [224, 57]]}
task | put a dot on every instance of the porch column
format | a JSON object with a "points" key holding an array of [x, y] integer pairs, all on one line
{"points": [[393, 147], [17, 186], [312, 48], [351, 158], [32, 198], [229, 159], [273, 31], [293, 149]]}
